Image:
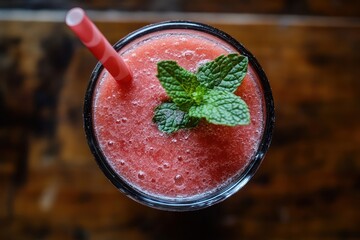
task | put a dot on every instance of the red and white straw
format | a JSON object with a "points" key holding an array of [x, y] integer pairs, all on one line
{"points": [[94, 40]]}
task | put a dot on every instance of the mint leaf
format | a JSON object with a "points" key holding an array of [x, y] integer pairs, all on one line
{"points": [[221, 107], [207, 94], [224, 73], [170, 118], [178, 83]]}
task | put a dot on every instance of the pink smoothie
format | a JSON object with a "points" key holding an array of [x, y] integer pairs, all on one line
{"points": [[188, 163]]}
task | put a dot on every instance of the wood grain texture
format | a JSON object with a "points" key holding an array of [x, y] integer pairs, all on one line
{"points": [[308, 186], [350, 8]]}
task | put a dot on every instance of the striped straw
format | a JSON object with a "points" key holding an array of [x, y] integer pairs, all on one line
{"points": [[95, 41]]}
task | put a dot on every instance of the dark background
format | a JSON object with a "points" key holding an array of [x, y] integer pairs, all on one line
{"points": [[308, 186]]}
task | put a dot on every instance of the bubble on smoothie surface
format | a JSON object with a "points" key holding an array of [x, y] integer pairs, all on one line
{"points": [[166, 165], [179, 180], [141, 175], [188, 54]]}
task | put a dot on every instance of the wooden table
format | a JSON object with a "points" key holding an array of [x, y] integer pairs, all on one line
{"points": [[308, 186]]}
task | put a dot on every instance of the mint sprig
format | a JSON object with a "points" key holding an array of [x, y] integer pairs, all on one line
{"points": [[208, 94]]}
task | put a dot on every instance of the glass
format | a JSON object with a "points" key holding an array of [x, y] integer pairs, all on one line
{"points": [[220, 194]]}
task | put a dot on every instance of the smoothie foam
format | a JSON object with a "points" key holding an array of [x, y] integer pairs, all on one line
{"points": [[185, 164]]}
